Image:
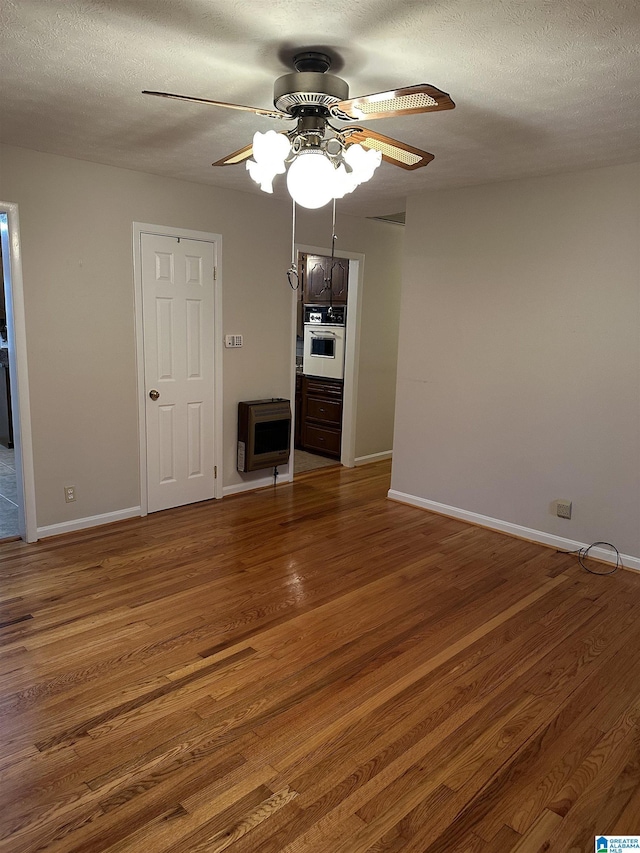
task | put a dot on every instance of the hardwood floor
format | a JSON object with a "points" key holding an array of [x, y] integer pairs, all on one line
{"points": [[313, 668]]}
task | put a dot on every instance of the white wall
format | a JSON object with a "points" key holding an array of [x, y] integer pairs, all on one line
{"points": [[76, 229], [519, 362]]}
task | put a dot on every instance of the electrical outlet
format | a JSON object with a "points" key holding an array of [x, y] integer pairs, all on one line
{"points": [[69, 493], [563, 509]]}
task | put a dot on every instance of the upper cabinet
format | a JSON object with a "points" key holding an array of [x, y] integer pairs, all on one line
{"points": [[324, 283]]}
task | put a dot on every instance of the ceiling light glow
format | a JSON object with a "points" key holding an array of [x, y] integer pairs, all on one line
{"points": [[319, 171]]}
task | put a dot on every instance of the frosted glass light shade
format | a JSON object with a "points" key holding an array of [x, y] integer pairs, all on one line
{"points": [[270, 150], [361, 164], [311, 179], [364, 163], [262, 175], [344, 182]]}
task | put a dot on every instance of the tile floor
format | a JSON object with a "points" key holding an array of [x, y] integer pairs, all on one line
{"points": [[8, 494]]}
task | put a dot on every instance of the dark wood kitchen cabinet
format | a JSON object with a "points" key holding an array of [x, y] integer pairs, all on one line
{"points": [[297, 437], [316, 275], [321, 416]]}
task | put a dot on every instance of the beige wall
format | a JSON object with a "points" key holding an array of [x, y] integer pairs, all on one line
{"points": [[76, 230], [519, 362]]}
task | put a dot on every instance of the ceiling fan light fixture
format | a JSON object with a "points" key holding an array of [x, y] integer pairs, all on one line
{"points": [[356, 168], [317, 173], [345, 182], [326, 162], [261, 175], [271, 148], [311, 179], [362, 162], [270, 151]]}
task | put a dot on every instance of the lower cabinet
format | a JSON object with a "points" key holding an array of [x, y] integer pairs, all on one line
{"points": [[321, 418], [297, 438]]}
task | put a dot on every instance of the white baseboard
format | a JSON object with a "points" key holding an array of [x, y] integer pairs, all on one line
{"points": [[373, 457], [238, 488], [90, 521], [516, 530], [136, 511]]}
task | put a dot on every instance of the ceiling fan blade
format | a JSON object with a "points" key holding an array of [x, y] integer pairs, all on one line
{"points": [[394, 152], [256, 110], [422, 98], [237, 157]]}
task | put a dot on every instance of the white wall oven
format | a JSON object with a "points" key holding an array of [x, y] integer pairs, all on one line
{"points": [[324, 341]]}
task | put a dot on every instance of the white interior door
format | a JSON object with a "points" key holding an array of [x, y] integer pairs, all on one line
{"points": [[178, 332]]}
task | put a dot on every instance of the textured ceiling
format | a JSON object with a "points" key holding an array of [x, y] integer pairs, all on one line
{"points": [[541, 86]]}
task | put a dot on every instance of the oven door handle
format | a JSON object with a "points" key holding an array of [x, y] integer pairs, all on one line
{"points": [[326, 335]]}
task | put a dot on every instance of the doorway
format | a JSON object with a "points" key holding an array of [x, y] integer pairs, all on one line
{"points": [[352, 348], [9, 527], [18, 461], [178, 330]]}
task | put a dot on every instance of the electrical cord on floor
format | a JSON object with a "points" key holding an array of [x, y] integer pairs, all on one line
{"points": [[583, 553], [275, 475]]}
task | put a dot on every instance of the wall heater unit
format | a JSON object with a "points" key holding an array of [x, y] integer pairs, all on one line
{"points": [[264, 434]]}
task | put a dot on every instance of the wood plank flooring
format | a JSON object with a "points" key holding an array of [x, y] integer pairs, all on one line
{"points": [[313, 669]]}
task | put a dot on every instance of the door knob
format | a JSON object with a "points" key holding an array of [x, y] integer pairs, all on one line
{"points": [[154, 394]]}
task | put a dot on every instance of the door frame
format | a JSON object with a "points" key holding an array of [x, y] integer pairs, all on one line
{"points": [[18, 372], [352, 350], [140, 228]]}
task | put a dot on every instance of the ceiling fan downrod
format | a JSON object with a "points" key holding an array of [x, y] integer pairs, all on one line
{"points": [[312, 60]]}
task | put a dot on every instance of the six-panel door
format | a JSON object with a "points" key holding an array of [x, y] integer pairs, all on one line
{"points": [[178, 318]]}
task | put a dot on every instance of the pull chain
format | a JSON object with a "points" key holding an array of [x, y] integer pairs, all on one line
{"points": [[334, 237], [328, 282], [292, 272]]}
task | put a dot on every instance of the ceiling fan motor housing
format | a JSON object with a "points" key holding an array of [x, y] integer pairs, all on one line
{"points": [[292, 92]]}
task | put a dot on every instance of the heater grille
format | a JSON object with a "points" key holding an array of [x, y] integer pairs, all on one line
{"points": [[264, 433]]}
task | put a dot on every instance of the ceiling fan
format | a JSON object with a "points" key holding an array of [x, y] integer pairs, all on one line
{"points": [[345, 156]]}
